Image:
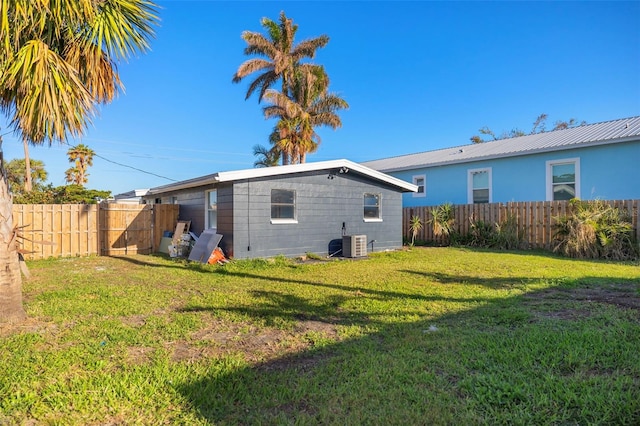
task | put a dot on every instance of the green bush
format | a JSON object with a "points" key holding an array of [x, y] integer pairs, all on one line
{"points": [[504, 235], [442, 221], [595, 230]]}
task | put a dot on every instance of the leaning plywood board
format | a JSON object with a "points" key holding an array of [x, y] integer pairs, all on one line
{"points": [[206, 244], [181, 228]]}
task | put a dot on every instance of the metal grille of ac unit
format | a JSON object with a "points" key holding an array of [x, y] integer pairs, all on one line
{"points": [[354, 245]]}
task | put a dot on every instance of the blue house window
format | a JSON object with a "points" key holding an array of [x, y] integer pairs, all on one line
{"points": [[479, 186], [283, 206], [563, 179], [421, 182]]}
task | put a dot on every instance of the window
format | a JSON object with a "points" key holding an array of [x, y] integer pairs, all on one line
{"points": [[283, 206], [372, 207], [563, 179], [421, 182], [212, 209], [479, 186]]}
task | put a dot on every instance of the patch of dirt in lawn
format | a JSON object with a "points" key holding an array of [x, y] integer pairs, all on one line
{"points": [[29, 325], [139, 354], [256, 345], [553, 303]]}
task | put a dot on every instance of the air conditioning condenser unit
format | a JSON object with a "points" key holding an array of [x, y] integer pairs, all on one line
{"points": [[354, 245]]}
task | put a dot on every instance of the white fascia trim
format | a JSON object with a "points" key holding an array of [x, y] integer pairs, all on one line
{"points": [[309, 167]]}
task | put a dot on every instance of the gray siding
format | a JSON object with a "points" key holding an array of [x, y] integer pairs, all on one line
{"points": [[192, 206], [225, 226], [322, 206]]}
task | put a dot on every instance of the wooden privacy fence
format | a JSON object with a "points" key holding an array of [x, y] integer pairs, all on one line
{"points": [[535, 219], [62, 230]]}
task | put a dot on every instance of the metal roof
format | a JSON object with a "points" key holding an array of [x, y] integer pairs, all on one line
{"points": [[346, 165], [616, 131]]}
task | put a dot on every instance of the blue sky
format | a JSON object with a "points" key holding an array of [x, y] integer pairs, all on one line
{"points": [[418, 76]]}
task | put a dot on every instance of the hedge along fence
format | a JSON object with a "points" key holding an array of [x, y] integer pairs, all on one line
{"points": [[63, 230], [535, 219]]}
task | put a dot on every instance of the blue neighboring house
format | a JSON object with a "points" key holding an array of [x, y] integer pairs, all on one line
{"points": [[594, 161]]}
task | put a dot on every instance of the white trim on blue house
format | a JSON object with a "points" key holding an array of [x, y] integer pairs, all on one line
{"points": [[549, 181], [416, 181], [470, 188]]}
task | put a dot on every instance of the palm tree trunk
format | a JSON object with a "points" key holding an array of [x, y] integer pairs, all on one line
{"points": [[28, 186], [11, 309]]}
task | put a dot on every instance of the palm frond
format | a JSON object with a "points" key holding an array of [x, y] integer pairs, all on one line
{"points": [[45, 94]]}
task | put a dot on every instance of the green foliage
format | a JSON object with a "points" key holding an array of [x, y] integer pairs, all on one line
{"points": [[16, 173], [596, 230], [69, 194], [415, 226], [503, 236], [442, 220], [481, 234]]}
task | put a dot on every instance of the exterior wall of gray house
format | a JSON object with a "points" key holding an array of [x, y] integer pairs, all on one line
{"points": [[607, 172], [323, 203], [192, 205]]}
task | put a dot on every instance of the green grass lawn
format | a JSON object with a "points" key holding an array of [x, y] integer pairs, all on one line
{"points": [[426, 336]]}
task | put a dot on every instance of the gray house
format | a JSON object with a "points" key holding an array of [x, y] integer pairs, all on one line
{"points": [[292, 210], [594, 161]]}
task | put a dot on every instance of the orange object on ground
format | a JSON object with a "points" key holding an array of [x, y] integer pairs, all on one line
{"points": [[217, 256]]}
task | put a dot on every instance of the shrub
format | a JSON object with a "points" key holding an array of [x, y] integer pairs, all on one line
{"points": [[442, 220], [508, 236], [595, 230]]}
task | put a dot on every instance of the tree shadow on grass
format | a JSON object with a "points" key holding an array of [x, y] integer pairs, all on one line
{"points": [[510, 360]]}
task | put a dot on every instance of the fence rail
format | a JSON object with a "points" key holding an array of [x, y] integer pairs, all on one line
{"points": [[535, 219], [63, 230]]}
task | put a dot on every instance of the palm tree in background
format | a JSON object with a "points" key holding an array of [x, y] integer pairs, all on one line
{"points": [[277, 55], [309, 106], [277, 58], [58, 60], [17, 174], [266, 157], [82, 157]]}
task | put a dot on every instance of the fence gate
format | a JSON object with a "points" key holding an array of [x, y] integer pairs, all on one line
{"points": [[126, 229]]}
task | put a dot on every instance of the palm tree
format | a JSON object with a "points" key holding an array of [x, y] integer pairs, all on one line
{"points": [[266, 157], [17, 174], [57, 62], [278, 55], [82, 156], [308, 107]]}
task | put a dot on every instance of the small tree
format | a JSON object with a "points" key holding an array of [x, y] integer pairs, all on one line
{"points": [[415, 227], [442, 220]]}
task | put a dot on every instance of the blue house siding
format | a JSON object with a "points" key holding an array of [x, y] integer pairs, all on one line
{"points": [[606, 172]]}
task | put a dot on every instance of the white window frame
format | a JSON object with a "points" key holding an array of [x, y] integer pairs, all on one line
{"points": [[424, 185], [549, 180], [470, 188], [281, 221], [372, 219], [207, 209]]}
